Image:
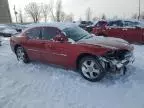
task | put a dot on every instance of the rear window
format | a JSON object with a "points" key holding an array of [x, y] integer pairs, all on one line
{"points": [[101, 23]]}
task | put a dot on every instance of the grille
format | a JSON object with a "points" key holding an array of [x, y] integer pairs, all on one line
{"points": [[118, 54]]}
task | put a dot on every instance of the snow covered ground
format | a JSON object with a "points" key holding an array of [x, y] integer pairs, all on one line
{"points": [[38, 85]]}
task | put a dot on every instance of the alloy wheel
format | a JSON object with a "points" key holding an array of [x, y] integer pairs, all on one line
{"points": [[90, 69]]}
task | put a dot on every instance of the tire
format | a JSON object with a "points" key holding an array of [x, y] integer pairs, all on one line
{"points": [[22, 55], [91, 69]]}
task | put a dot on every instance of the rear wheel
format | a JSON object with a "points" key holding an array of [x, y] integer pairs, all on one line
{"points": [[91, 69], [22, 55]]}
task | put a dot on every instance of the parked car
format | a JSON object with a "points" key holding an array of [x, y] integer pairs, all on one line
{"points": [[72, 47], [90, 28], [17, 27], [0, 41], [6, 31], [132, 31], [84, 24]]}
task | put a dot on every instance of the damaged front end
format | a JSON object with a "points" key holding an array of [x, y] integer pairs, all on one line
{"points": [[117, 60]]}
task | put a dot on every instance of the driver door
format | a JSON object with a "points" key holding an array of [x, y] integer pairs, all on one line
{"points": [[60, 53], [56, 51]]}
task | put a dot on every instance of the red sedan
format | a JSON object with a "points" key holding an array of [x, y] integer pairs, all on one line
{"points": [[72, 47], [131, 31]]}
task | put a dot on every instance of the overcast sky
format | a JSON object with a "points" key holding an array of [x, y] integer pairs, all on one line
{"points": [[120, 8]]}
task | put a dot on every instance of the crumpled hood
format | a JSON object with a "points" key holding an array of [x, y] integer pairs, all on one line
{"points": [[107, 42]]}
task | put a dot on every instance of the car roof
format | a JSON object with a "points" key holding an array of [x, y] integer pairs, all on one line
{"points": [[59, 25]]}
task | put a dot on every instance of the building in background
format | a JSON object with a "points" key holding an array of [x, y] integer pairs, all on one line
{"points": [[5, 16]]}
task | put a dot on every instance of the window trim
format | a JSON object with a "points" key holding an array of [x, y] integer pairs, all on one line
{"points": [[48, 27], [116, 24], [40, 35]]}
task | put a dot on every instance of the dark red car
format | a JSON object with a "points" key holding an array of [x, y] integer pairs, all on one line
{"points": [[72, 47], [98, 24], [131, 31]]}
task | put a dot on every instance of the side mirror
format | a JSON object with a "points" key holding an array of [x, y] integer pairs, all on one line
{"points": [[60, 38], [19, 30]]}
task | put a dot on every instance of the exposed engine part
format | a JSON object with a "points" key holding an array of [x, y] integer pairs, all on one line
{"points": [[117, 60]]}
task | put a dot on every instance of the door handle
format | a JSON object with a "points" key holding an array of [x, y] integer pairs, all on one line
{"points": [[50, 46]]}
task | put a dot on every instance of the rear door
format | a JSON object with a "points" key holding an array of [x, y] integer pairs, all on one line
{"points": [[33, 45], [132, 33], [115, 29]]}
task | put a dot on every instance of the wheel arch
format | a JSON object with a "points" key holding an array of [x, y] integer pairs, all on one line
{"points": [[16, 46], [82, 56]]}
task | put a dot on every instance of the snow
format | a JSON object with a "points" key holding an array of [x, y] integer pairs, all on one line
{"points": [[6, 29], [38, 85], [59, 25], [128, 23], [9, 30]]}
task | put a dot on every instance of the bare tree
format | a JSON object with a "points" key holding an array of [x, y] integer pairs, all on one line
{"points": [[33, 10], [88, 14], [103, 17], [134, 16], [115, 17], [57, 13], [15, 12], [95, 18], [62, 17], [58, 10], [45, 11], [69, 17], [20, 15], [142, 15], [51, 7], [139, 10]]}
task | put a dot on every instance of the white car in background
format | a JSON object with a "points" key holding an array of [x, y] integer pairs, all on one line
{"points": [[0, 41], [7, 31]]}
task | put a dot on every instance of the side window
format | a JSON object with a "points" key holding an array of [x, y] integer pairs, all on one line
{"points": [[49, 32], [112, 23], [115, 24], [34, 33], [130, 24]]}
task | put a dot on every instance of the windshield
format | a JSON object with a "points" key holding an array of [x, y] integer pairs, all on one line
{"points": [[76, 33]]}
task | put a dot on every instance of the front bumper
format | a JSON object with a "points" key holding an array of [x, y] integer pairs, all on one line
{"points": [[118, 64]]}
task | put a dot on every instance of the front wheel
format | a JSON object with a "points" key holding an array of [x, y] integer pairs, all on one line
{"points": [[91, 69], [22, 55]]}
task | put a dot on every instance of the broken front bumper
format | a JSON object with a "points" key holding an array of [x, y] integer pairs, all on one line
{"points": [[118, 64]]}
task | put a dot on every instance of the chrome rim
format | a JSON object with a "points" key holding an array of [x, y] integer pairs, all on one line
{"points": [[90, 69], [20, 54]]}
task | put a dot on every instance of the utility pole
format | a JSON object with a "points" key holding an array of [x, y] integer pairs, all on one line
{"points": [[139, 10], [15, 12]]}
